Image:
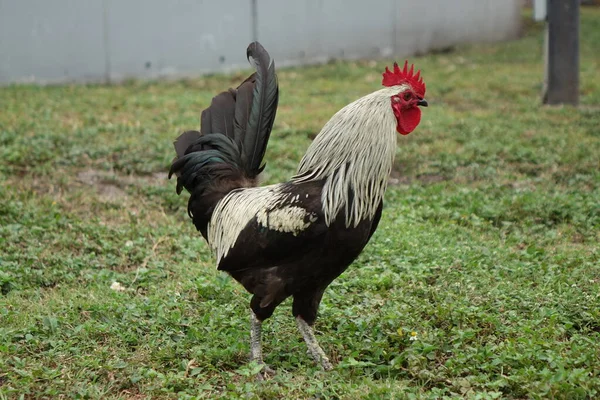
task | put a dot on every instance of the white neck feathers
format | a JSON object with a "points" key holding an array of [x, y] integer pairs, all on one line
{"points": [[354, 154]]}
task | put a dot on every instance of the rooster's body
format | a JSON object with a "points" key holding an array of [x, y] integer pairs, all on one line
{"points": [[294, 238]]}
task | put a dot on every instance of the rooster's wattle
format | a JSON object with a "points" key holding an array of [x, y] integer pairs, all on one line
{"points": [[292, 238]]}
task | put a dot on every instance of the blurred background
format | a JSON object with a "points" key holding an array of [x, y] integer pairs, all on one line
{"points": [[109, 40]]}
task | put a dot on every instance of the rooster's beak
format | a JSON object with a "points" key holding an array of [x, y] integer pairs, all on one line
{"points": [[422, 102]]}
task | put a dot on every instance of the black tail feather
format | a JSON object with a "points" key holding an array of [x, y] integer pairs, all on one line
{"points": [[192, 167], [262, 112], [243, 103], [185, 140], [219, 116], [228, 151]]}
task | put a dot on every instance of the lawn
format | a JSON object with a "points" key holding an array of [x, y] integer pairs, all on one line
{"points": [[482, 282]]}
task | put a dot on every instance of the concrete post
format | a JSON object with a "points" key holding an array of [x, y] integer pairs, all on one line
{"points": [[562, 53]]}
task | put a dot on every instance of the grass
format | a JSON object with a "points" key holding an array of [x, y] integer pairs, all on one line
{"points": [[487, 255]]}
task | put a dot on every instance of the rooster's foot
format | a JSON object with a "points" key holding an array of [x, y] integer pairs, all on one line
{"points": [[314, 349], [265, 373]]}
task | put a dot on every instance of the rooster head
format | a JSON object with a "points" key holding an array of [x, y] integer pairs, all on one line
{"points": [[410, 96]]}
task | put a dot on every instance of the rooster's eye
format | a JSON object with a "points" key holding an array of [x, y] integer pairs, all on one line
{"points": [[407, 96]]}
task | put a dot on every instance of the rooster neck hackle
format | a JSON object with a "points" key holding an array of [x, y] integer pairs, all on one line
{"points": [[354, 154]]}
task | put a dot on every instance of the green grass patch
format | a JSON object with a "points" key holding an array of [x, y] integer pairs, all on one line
{"points": [[482, 282]]}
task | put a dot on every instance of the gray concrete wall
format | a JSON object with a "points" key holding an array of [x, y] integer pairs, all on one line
{"points": [[111, 40]]}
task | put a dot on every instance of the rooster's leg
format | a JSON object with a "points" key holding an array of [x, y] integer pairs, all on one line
{"points": [[256, 347], [315, 350]]}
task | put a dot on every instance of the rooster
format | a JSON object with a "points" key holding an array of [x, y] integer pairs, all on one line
{"points": [[293, 238]]}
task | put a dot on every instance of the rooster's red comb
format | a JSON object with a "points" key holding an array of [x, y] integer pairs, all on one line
{"points": [[402, 76]]}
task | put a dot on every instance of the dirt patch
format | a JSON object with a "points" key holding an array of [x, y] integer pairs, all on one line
{"points": [[431, 178], [399, 178], [111, 187]]}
